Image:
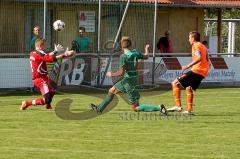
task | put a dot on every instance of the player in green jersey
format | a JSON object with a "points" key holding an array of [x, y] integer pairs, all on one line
{"points": [[129, 81]]}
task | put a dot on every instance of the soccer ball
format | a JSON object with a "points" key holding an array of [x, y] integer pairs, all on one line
{"points": [[58, 25]]}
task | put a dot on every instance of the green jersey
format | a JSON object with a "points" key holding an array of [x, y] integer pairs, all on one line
{"points": [[83, 43], [129, 84], [129, 61]]}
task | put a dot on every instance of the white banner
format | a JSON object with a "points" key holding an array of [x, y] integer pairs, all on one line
{"points": [[103, 63], [87, 20], [15, 73], [221, 70]]}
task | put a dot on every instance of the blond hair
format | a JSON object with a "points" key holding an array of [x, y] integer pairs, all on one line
{"points": [[40, 42]]}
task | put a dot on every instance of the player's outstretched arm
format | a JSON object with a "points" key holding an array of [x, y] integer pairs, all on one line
{"points": [[52, 58], [66, 54], [57, 48]]}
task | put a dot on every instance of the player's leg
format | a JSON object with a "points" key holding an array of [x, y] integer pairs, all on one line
{"points": [[189, 93], [131, 87], [132, 92], [176, 92], [47, 92], [133, 96], [51, 95], [149, 108], [183, 81], [176, 88], [36, 102], [112, 91], [39, 101], [193, 85], [48, 100], [144, 107], [118, 87], [101, 107]]}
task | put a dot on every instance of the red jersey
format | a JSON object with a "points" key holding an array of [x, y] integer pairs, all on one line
{"points": [[38, 60]]}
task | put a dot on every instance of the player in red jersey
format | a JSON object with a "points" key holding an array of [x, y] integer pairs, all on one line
{"points": [[38, 60]]}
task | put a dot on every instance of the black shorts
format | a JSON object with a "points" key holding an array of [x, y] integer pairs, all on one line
{"points": [[190, 79]]}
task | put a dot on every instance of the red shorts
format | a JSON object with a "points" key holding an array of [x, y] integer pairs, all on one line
{"points": [[43, 84]]}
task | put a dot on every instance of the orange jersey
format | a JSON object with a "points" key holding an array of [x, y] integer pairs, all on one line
{"points": [[202, 67]]}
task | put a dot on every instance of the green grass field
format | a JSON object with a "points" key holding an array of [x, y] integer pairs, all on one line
{"points": [[213, 133]]}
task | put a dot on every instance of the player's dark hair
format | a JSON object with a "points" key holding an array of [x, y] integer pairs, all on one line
{"points": [[81, 28], [126, 42], [195, 35]]}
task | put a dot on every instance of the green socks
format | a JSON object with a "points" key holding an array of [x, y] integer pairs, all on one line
{"points": [[141, 107], [105, 102], [148, 108]]}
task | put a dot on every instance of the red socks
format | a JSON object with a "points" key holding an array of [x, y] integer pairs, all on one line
{"points": [[38, 101]]}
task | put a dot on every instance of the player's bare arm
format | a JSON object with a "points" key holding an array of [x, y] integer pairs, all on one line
{"points": [[51, 58], [146, 54], [58, 48], [197, 60], [66, 54]]}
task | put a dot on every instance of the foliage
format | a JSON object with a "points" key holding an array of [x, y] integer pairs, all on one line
{"points": [[233, 13]]}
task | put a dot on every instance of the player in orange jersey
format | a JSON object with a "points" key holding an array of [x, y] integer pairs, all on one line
{"points": [[192, 79]]}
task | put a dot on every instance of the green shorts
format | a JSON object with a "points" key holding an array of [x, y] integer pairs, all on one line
{"points": [[130, 87]]}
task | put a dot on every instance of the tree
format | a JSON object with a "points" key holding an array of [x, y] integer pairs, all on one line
{"points": [[232, 13]]}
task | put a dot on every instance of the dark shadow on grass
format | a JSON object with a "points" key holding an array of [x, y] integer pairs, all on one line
{"points": [[63, 111], [63, 107]]}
